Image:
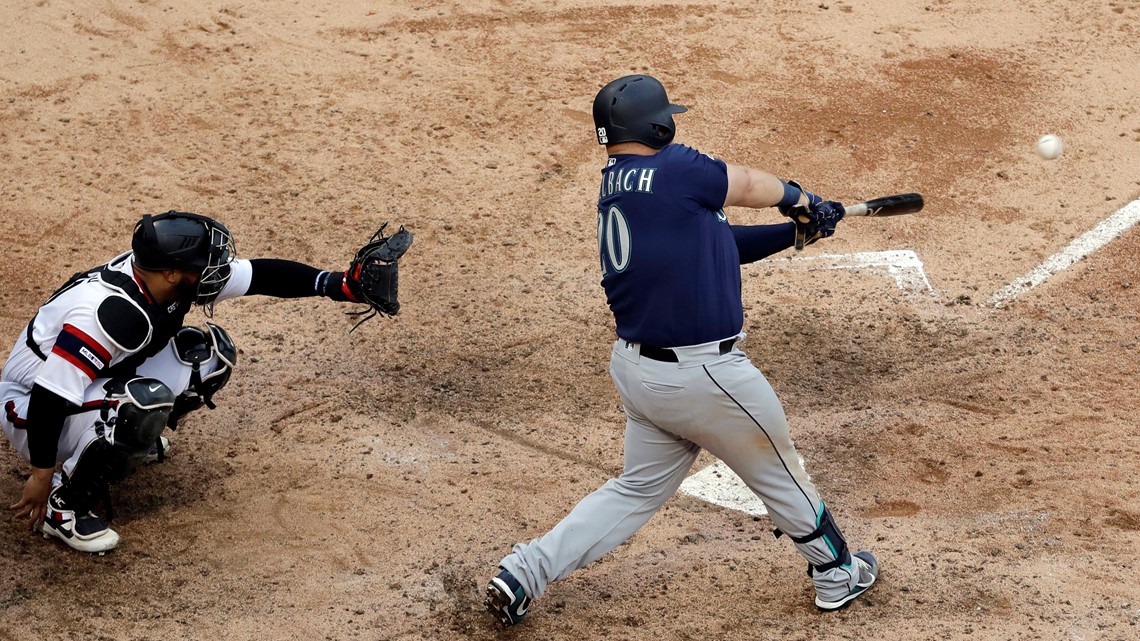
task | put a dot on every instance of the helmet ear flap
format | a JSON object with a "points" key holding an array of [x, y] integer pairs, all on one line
{"points": [[664, 133]]}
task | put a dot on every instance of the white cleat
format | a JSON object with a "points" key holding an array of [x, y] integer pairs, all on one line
{"points": [[86, 533]]}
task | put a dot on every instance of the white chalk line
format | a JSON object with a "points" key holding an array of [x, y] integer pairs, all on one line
{"points": [[903, 265], [1105, 232]]}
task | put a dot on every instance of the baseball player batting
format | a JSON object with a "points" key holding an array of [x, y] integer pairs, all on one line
{"points": [[671, 273], [105, 365]]}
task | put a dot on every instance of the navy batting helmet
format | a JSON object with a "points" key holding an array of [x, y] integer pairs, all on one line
{"points": [[190, 242], [635, 109]]}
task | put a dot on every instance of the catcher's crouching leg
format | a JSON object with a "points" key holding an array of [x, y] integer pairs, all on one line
{"points": [[133, 414], [212, 357], [69, 514]]}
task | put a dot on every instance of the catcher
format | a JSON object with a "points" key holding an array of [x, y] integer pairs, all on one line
{"points": [[107, 363]]}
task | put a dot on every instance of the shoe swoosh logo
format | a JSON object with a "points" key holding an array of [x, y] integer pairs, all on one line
{"points": [[523, 607], [154, 388]]}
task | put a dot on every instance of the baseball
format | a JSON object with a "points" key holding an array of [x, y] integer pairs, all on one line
{"points": [[1049, 146]]}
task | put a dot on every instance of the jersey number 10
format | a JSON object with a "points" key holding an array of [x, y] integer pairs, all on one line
{"points": [[614, 241]]}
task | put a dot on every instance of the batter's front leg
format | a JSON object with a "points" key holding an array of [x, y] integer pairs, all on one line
{"points": [[656, 463], [752, 438]]}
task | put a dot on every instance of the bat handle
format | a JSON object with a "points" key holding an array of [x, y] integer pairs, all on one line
{"points": [[859, 209]]}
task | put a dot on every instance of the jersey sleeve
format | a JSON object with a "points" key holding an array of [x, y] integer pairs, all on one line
{"points": [[81, 352], [240, 277], [698, 176]]}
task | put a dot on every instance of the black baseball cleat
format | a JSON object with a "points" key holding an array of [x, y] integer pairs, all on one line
{"points": [[506, 600], [867, 569]]}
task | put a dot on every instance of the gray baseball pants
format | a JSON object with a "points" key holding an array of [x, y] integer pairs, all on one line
{"points": [[719, 402]]}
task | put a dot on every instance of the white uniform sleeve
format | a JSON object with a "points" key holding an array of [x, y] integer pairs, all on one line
{"points": [[241, 275], [79, 354]]}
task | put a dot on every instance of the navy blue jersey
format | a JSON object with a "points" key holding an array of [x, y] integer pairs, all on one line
{"points": [[671, 266]]}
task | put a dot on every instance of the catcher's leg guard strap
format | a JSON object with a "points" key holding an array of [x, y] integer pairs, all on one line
{"points": [[832, 538]]}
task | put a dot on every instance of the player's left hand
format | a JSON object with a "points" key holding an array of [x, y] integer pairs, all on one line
{"points": [[815, 217]]}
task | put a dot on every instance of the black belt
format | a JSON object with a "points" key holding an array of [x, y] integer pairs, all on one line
{"points": [[666, 355]]}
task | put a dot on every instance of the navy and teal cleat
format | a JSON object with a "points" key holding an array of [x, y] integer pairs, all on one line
{"points": [[506, 600], [867, 569]]}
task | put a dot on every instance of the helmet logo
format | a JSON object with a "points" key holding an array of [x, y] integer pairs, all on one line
{"points": [[602, 138]]}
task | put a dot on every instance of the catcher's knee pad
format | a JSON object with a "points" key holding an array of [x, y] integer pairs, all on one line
{"points": [[199, 350], [134, 414], [827, 533]]}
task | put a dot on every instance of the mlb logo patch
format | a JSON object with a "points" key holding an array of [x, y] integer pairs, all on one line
{"points": [[91, 357]]}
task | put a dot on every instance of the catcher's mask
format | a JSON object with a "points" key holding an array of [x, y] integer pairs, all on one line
{"points": [[635, 109], [134, 412], [190, 242]]}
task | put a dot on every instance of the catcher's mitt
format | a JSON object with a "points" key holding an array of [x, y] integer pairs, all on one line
{"points": [[373, 276]]}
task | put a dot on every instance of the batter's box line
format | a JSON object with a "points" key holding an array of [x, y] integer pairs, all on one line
{"points": [[1085, 244], [901, 264]]}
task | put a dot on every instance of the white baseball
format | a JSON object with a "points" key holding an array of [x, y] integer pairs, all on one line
{"points": [[1049, 146]]}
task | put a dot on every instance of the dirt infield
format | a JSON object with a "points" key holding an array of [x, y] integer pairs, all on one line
{"points": [[363, 485]]}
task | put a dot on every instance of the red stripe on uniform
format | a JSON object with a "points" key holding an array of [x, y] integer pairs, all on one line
{"points": [[13, 418], [83, 365], [143, 289], [91, 343]]}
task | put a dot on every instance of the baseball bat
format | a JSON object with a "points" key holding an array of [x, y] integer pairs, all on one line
{"points": [[895, 205]]}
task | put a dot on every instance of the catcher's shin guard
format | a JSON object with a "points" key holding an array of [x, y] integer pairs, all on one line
{"points": [[196, 349], [69, 517]]}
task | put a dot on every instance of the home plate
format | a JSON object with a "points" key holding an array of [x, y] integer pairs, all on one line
{"points": [[719, 485], [902, 265]]}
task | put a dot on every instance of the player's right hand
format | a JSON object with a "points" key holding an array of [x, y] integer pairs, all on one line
{"points": [[33, 502]]}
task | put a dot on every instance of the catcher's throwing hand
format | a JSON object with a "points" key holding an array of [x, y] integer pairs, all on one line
{"points": [[373, 276]]}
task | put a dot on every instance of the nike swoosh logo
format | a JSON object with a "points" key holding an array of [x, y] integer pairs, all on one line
{"points": [[154, 388]]}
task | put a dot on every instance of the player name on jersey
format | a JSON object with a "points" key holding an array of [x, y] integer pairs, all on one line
{"points": [[615, 181]]}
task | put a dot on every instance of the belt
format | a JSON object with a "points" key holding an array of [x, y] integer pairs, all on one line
{"points": [[666, 355]]}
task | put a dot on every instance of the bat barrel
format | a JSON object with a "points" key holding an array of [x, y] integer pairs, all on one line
{"points": [[896, 205]]}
